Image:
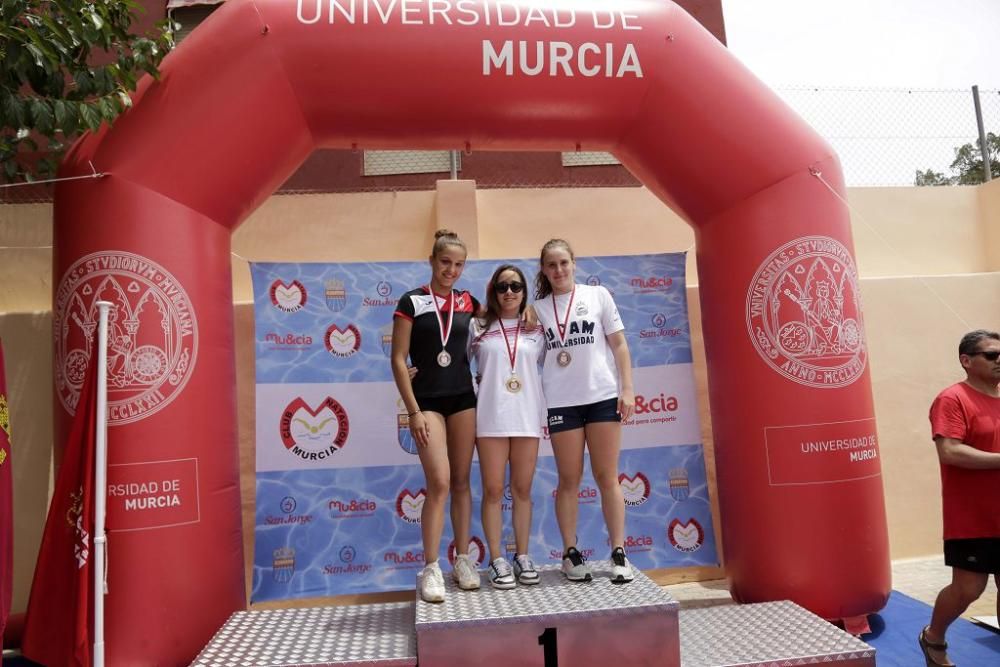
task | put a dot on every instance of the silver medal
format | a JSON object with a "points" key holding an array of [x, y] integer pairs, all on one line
{"points": [[444, 359]]}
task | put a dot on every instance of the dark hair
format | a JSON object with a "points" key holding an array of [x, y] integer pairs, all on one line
{"points": [[970, 341], [444, 238], [543, 287], [493, 303]]}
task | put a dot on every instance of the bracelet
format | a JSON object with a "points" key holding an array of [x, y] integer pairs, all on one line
{"points": [[412, 413]]}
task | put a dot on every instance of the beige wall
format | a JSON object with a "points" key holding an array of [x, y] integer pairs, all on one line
{"points": [[928, 257]]}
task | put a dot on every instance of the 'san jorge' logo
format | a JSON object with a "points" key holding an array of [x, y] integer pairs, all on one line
{"points": [[342, 342], [635, 489], [152, 333], [288, 297], [803, 313], [410, 505], [314, 435]]}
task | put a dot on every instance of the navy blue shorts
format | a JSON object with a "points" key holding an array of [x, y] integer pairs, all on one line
{"points": [[446, 406], [577, 416], [981, 554]]}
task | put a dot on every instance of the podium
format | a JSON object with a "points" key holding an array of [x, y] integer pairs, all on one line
{"points": [[557, 622], [554, 624]]}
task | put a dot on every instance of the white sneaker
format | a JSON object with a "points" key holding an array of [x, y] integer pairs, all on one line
{"points": [[575, 567], [432, 583], [465, 574], [501, 574], [524, 570], [621, 569]]}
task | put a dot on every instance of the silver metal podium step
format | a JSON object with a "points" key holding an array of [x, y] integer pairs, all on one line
{"points": [[385, 635], [373, 635], [766, 634], [554, 622]]}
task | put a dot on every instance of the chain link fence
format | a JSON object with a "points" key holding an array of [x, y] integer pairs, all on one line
{"points": [[884, 137]]}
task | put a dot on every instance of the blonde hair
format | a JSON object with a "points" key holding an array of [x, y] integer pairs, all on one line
{"points": [[444, 238], [543, 287]]}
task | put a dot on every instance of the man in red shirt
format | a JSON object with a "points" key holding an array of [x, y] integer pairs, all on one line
{"points": [[965, 422]]}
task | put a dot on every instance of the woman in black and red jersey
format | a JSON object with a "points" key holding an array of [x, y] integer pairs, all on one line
{"points": [[431, 326]]}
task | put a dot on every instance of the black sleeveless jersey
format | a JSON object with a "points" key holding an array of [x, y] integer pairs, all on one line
{"points": [[433, 380]]}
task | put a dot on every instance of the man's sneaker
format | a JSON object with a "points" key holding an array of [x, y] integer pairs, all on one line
{"points": [[575, 566], [524, 570], [621, 569], [464, 573], [432, 583], [501, 575]]}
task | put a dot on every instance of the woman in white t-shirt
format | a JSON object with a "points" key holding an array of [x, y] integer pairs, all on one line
{"points": [[509, 417], [587, 380]]}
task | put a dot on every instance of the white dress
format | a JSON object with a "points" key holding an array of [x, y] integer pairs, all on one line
{"points": [[501, 413]]}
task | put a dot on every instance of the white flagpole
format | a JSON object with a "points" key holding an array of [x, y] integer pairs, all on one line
{"points": [[100, 481]]}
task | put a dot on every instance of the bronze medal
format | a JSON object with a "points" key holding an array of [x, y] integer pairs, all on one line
{"points": [[563, 358]]}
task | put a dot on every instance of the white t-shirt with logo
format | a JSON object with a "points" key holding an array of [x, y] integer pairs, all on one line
{"points": [[591, 374], [499, 412]]}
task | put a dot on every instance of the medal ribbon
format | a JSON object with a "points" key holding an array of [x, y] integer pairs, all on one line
{"points": [[445, 333], [511, 354], [564, 326]]}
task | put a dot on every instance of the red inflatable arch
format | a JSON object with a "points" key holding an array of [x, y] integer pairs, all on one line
{"points": [[263, 83]]}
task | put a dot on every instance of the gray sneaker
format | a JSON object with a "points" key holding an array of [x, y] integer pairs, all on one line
{"points": [[501, 575], [575, 567], [524, 570]]}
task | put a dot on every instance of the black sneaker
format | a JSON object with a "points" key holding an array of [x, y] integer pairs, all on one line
{"points": [[575, 567], [621, 570]]}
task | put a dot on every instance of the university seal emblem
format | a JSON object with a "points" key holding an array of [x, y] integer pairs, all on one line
{"points": [[803, 313], [152, 333]]}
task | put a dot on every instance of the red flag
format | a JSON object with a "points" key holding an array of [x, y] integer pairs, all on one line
{"points": [[58, 629], [6, 507]]}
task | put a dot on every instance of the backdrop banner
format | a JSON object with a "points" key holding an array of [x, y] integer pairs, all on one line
{"points": [[339, 487]]}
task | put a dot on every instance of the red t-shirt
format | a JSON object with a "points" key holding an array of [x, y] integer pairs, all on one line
{"points": [[971, 498]]}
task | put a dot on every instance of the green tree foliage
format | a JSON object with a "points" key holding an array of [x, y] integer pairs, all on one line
{"points": [[66, 66], [967, 168]]}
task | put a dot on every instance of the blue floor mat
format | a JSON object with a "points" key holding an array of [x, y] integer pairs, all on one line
{"points": [[895, 629]]}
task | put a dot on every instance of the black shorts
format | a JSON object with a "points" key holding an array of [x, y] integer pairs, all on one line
{"points": [[578, 416], [446, 406], [981, 554]]}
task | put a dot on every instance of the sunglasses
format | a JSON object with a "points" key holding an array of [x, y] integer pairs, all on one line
{"points": [[515, 287], [988, 356]]}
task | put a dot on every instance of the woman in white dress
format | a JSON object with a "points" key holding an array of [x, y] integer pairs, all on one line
{"points": [[509, 417]]}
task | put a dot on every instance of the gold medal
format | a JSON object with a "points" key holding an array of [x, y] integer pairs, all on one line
{"points": [[513, 384], [563, 358]]}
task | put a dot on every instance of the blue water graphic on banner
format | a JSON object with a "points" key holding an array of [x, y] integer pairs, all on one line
{"points": [[345, 519]]}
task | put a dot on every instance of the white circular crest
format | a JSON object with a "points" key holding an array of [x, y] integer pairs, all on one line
{"points": [[152, 333], [803, 313]]}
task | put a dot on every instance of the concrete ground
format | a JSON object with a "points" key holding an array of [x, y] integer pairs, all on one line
{"points": [[920, 578]]}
